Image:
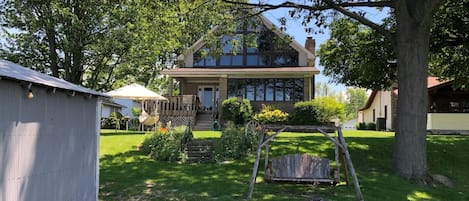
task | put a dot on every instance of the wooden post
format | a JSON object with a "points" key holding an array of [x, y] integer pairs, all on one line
{"points": [[350, 166], [344, 162], [336, 151], [256, 165], [266, 156]]}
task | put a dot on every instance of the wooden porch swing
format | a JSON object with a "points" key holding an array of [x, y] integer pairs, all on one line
{"points": [[301, 168]]}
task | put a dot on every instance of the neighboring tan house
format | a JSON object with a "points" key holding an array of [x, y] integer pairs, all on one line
{"points": [[269, 73], [448, 109]]}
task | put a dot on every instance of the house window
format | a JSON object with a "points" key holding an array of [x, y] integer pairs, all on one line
{"points": [[249, 47], [267, 89], [279, 90]]}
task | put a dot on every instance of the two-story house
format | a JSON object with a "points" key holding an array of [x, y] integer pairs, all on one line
{"points": [[271, 73]]}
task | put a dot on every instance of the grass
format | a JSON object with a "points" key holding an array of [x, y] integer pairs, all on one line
{"points": [[125, 174]]}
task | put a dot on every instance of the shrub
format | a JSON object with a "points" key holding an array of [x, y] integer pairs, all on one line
{"points": [[366, 126], [164, 145], [371, 126], [234, 142], [329, 108], [114, 121], [237, 112], [304, 114], [269, 115], [318, 111], [136, 111]]}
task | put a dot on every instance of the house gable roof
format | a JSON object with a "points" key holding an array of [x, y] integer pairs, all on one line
{"points": [[294, 44], [432, 83]]}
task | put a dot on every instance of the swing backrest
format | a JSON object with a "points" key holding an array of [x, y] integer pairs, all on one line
{"points": [[299, 166]]}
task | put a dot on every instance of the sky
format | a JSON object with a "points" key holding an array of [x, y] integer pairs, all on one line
{"points": [[297, 31]]}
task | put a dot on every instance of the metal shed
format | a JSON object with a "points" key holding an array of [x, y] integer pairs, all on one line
{"points": [[49, 137]]}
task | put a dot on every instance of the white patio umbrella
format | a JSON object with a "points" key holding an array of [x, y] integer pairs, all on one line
{"points": [[135, 92], [138, 92]]}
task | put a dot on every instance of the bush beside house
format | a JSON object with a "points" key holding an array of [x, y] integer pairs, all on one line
{"points": [[270, 115], [319, 111], [236, 111], [366, 126]]}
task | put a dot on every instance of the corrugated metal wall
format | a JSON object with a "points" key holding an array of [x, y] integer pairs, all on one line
{"points": [[48, 145]]}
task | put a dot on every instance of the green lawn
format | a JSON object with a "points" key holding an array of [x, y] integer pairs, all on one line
{"points": [[125, 174]]}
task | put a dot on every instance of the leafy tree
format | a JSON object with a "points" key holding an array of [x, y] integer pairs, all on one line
{"points": [[353, 52], [449, 44], [104, 44], [355, 55], [356, 99], [410, 40], [323, 90]]}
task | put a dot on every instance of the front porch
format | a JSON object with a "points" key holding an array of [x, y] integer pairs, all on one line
{"points": [[186, 110]]}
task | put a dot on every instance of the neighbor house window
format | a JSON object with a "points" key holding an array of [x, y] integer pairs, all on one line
{"points": [[267, 89]]}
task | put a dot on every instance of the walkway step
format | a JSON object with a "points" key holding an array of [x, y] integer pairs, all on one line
{"points": [[199, 150]]}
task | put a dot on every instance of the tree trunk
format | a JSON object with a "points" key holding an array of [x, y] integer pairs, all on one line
{"points": [[414, 20]]}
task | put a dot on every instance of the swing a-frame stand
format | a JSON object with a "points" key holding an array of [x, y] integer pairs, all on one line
{"points": [[299, 168]]}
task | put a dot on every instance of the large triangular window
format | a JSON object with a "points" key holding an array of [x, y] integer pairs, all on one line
{"points": [[249, 48]]}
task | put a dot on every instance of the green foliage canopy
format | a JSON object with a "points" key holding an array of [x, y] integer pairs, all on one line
{"points": [[356, 55], [356, 99], [104, 44]]}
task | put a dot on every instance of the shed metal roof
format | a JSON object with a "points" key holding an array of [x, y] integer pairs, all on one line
{"points": [[10, 70]]}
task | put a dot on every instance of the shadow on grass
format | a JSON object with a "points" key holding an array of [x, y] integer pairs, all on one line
{"points": [[132, 176]]}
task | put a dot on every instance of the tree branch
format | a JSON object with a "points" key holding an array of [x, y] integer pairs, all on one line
{"points": [[289, 4], [330, 5], [387, 34]]}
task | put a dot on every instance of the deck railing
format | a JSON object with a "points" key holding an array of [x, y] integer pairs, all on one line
{"points": [[180, 110]]}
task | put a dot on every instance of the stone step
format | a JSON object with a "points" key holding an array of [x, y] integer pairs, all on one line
{"points": [[201, 155], [199, 150]]}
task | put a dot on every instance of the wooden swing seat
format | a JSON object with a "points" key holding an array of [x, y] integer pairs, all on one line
{"points": [[300, 168]]}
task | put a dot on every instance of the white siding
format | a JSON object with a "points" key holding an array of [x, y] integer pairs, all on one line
{"points": [[381, 102], [448, 121], [48, 145]]}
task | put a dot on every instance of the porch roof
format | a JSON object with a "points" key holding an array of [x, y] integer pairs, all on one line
{"points": [[241, 72]]}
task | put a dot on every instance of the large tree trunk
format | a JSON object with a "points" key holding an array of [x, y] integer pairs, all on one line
{"points": [[414, 20]]}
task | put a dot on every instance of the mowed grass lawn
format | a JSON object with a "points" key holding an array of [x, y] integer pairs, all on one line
{"points": [[125, 174]]}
